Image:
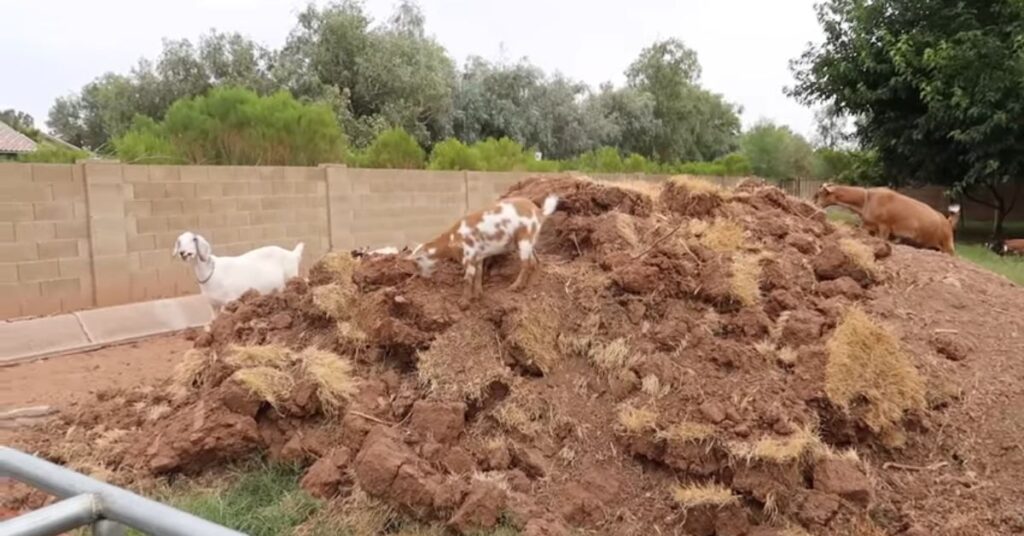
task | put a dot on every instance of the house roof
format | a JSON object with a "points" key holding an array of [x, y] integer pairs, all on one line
{"points": [[12, 141]]}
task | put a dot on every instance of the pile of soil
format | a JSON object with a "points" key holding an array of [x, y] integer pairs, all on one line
{"points": [[677, 367]]}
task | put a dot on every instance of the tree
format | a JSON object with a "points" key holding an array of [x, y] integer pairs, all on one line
{"points": [[376, 78], [20, 121], [107, 106], [935, 86], [695, 124], [238, 127], [775, 152]]}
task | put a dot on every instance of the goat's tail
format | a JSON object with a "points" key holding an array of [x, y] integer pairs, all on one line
{"points": [[550, 205], [298, 250], [953, 215]]}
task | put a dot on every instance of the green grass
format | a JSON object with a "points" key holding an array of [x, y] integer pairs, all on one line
{"points": [[259, 500], [1010, 266]]}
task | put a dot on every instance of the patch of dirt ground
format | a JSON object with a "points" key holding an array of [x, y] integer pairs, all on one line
{"points": [[689, 360]]}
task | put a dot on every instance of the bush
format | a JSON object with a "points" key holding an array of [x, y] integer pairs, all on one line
{"points": [[452, 154], [236, 126], [393, 149], [146, 143], [502, 155], [47, 153]]}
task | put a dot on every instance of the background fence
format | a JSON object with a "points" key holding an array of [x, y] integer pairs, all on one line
{"points": [[98, 233]]}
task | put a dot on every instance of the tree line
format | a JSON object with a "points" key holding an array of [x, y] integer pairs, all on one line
{"points": [[344, 88]]}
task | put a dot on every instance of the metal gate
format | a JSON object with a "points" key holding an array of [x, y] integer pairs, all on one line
{"points": [[88, 502]]}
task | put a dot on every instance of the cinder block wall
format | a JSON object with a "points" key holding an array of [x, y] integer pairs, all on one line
{"points": [[44, 240], [101, 233]]}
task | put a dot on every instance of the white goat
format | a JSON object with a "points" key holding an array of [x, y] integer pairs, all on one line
{"points": [[225, 279]]}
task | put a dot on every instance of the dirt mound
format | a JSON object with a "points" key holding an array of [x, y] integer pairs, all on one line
{"points": [[691, 358]]}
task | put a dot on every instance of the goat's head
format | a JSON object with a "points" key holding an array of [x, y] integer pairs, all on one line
{"points": [[191, 246], [425, 257], [825, 196], [998, 247]]}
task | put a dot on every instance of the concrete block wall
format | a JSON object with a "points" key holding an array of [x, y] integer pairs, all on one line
{"points": [[44, 240], [100, 233], [235, 208]]}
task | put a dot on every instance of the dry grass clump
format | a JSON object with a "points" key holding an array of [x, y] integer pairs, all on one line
{"points": [[649, 188], [332, 374], [786, 355], [266, 383], [651, 385], [688, 432], [780, 451], [611, 357], [265, 355], [359, 515], [340, 265], [193, 369], [463, 363], [746, 279], [535, 334], [526, 414], [335, 300], [636, 421], [860, 253], [698, 495], [723, 236], [865, 361], [698, 185]]}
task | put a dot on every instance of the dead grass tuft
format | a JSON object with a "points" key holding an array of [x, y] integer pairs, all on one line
{"points": [[780, 451], [723, 236], [362, 515], [536, 335], [193, 369], [340, 265], [860, 253], [335, 300], [698, 185], [698, 495], [634, 421], [332, 374], [611, 357], [746, 279], [865, 362], [688, 432], [268, 355], [651, 385], [787, 356], [266, 383], [794, 530], [649, 188], [525, 414]]}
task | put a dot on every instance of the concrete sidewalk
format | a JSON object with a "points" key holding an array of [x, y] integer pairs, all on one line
{"points": [[33, 338]]}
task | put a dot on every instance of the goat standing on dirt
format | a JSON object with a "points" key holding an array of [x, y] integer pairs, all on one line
{"points": [[890, 213], [225, 279], [512, 222]]}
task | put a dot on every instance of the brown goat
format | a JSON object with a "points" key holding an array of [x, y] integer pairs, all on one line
{"points": [[888, 213]]}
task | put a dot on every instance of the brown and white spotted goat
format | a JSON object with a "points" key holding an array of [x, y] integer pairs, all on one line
{"points": [[511, 223]]}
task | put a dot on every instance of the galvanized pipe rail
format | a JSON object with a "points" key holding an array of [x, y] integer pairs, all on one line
{"points": [[90, 502]]}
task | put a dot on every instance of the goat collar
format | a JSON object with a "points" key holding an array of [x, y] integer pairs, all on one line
{"points": [[213, 267]]}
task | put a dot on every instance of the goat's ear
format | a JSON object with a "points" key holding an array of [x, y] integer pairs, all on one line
{"points": [[177, 248], [827, 187], [202, 248]]}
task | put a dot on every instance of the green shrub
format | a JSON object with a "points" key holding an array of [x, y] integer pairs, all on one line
{"points": [[393, 149], [47, 153], [236, 126], [452, 154], [502, 155]]}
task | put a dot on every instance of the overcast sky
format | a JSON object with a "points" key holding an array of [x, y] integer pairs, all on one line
{"points": [[53, 47]]}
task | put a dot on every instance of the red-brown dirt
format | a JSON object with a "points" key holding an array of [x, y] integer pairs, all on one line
{"points": [[676, 368]]}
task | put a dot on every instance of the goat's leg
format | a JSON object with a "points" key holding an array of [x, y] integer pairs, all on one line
{"points": [[470, 277], [525, 263], [478, 281]]}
